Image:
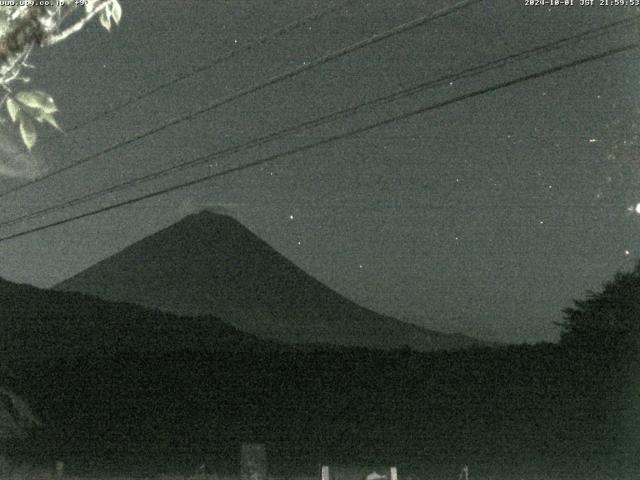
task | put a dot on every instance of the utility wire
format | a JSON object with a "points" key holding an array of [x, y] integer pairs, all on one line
{"points": [[346, 112], [195, 71], [216, 61], [356, 131], [405, 27]]}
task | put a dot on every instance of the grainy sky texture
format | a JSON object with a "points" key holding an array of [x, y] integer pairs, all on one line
{"points": [[486, 216]]}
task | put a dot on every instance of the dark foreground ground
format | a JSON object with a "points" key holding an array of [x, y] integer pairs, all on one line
{"points": [[518, 412]]}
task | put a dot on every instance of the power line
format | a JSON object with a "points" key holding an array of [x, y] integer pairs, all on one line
{"points": [[216, 61], [466, 73], [331, 139], [405, 27]]}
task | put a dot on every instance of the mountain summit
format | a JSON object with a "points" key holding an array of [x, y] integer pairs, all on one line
{"points": [[210, 264]]}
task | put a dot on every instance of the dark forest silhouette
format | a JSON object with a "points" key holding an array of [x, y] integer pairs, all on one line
{"points": [[609, 319], [566, 407]]}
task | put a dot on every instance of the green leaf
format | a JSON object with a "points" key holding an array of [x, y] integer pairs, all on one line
{"points": [[50, 119], [28, 132], [12, 108], [105, 18], [116, 11], [38, 100]]}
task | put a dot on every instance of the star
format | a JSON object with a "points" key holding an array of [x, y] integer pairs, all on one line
{"points": [[634, 208]]}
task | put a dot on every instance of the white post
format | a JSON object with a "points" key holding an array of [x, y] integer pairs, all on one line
{"points": [[464, 474], [394, 473], [325, 472]]}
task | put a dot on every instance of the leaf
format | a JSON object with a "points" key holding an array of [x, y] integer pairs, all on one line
{"points": [[38, 100], [50, 119], [12, 108], [116, 11], [28, 132], [105, 18]]}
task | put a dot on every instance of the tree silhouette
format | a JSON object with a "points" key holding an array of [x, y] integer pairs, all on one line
{"points": [[609, 319], [27, 25]]}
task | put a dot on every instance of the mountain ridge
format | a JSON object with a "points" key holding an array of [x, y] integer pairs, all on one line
{"points": [[41, 323], [210, 264]]}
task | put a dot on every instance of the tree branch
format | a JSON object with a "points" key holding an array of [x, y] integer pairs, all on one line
{"points": [[28, 30], [76, 27]]}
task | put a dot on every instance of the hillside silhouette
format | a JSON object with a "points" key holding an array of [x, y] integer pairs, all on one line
{"points": [[38, 323], [124, 388], [210, 264]]}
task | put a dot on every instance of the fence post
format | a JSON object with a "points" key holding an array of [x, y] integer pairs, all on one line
{"points": [[464, 473], [394, 473], [325, 472], [253, 461], [59, 469]]}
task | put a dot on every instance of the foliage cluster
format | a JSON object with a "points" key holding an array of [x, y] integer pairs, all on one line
{"points": [[22, 28]]}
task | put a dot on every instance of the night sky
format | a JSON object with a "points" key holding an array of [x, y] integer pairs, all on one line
{"points": [[487, 216]]}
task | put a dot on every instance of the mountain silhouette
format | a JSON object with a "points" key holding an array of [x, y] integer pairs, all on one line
{"points": [[210, 264], [44, 324]]}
